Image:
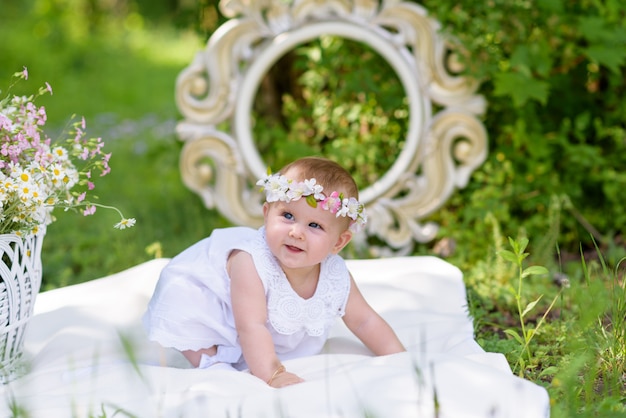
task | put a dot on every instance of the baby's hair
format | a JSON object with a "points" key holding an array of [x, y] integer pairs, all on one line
{"points": [[329, 174]]}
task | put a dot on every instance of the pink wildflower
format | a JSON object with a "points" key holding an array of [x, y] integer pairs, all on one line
{"points": [[106, 169], [98, 149], [5, 123], [41, 120], [78, 135], [89, 210]]}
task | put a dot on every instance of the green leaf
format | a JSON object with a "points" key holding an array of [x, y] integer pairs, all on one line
{"points": [[515, 335], [311, 201], [582, 122], [523, 243], [611, 56], [534, 270], [520, 60], [534, 57], [509, 256], [592, 28], [596, 30], [521, 88], [549, 371], [530, 306], [606, 42]]}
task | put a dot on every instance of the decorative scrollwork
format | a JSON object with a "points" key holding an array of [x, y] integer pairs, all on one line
{"points": [[441, 150]]}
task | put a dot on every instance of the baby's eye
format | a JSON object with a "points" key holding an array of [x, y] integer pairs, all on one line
{"points": [[315, 225], [287, 215]]}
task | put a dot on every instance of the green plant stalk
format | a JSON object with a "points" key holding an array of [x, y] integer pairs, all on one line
{"points": [[528, 338], [518, 300], [517, 257], [617, 342]]}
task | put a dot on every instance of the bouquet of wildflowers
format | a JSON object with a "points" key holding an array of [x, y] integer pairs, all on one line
{"points": [[37, 174]]}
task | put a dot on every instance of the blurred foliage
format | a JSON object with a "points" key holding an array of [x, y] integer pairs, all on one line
{"points": [[553, 75], [336, 98], [91, 51]]}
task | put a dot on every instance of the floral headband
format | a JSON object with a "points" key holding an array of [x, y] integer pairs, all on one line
{"points": [[278, 187]]}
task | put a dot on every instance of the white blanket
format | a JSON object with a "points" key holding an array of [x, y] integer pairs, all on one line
{"points": [[89, 356]]}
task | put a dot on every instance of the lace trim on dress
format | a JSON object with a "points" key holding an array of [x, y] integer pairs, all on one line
{"points": [[288, 312]]}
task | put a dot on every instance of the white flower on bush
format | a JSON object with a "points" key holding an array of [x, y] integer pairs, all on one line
{"points": [[37, 175]]}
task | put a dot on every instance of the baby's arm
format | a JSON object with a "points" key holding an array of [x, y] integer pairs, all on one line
{"points": [[250, 312], [369, 326]]}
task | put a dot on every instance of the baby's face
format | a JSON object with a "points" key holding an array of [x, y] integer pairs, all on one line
{"points": [[300, 235]]}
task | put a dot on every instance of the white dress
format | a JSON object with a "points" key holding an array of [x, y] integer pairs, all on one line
{"points": [[191, 306]]}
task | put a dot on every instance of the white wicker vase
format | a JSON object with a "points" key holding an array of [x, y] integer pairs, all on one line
{"points": [[20, 280]]}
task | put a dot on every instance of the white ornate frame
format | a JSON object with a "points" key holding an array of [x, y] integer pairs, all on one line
{"points": [[441, 149]]}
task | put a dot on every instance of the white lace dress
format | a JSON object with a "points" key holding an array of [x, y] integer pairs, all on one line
{"points": [[191, 307]]}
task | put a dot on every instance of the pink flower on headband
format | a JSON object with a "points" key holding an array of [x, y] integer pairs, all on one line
{"points": [[332, 202]]}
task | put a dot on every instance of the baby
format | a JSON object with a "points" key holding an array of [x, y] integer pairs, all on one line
{"points": [[247, 298]]}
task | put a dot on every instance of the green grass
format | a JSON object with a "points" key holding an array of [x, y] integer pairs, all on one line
{"points": [[121, 78], [571, 341]]}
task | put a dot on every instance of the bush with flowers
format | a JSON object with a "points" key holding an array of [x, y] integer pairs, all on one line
{"points": [[37, 174]]}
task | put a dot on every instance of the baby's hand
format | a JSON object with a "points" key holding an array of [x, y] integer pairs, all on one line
{"points": [[285, 379]]}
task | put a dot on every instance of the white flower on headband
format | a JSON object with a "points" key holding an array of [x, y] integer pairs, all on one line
{"points": [[279, 188], [315, 189], [350, 207], [275, 187]]}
